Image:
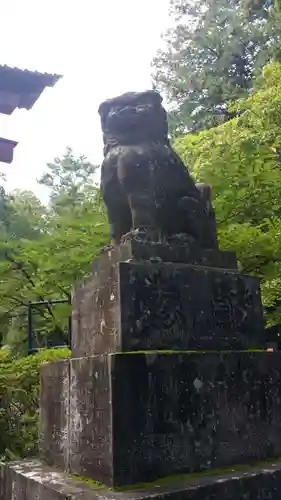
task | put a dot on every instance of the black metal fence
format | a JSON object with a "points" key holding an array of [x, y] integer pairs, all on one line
{"points": [[44, 303]]}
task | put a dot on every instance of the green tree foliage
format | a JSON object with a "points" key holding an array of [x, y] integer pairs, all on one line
{"points": [[26, 215], [70, 181], [45, 250], [211, 54], [77, 225], [21, 218], [241, 159], [19, 401]]}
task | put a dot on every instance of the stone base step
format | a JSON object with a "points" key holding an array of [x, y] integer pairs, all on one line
{"points": [[133, 418], [31, 480]]}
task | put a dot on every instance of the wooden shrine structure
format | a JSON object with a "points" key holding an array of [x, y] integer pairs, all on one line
{"points": [[19, 89]]}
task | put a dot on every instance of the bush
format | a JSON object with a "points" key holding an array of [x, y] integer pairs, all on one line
{"points": [[19, 401]]}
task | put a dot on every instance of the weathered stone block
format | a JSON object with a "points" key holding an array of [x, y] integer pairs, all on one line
{"points": [[54, 413], [34, 481], [139, 306], [90, 422], [138, 417], [95, 314], [138, 249]]}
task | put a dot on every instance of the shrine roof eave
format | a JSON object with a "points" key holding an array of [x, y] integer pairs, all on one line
{"points": [[20, 88], [7, 150]]}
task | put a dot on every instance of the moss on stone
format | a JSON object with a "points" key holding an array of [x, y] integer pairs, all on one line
{"points": [[89, 482], [163, 351], [178, 478]]}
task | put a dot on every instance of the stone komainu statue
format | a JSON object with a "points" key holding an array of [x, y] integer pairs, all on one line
{"points": [[144, 183]]}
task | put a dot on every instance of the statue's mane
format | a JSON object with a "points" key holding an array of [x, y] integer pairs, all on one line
{"points": [[156, 130], [130, 99]]}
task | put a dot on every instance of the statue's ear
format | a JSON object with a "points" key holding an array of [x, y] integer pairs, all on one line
{"points": [[103, 112], [155, 97], [104, 109]]}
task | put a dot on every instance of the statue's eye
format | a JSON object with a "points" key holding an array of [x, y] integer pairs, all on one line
{"points": [[142, 109], [114, 113], [128, 110]]}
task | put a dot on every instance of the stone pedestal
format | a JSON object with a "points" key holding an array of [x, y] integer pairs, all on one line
{"points": [[147, 396], [138, 417], [162, 379], [134, 305], [169, 374]]}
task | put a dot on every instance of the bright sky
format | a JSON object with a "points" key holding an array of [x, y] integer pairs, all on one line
{"points": [[102, 48]]}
